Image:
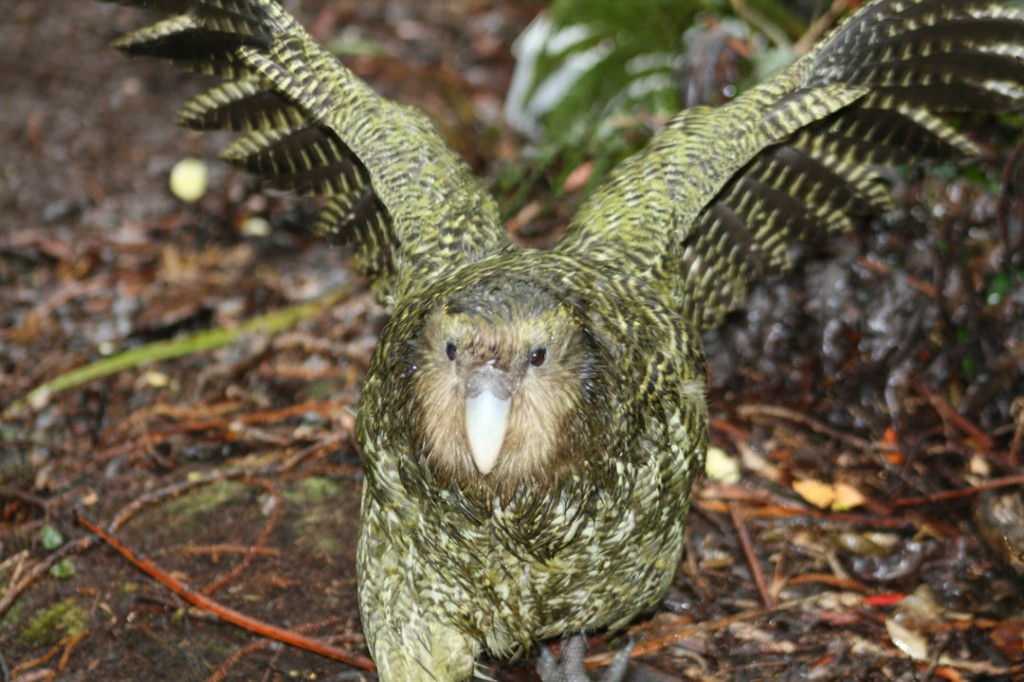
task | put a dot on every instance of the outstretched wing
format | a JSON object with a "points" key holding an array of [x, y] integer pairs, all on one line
{"points": [[719, 194], [411, 207]]}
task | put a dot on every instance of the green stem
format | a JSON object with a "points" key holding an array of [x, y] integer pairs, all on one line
{"points": [[198, 342]]}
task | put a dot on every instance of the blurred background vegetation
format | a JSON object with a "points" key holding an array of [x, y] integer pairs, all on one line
{"points": [[595, 78]]}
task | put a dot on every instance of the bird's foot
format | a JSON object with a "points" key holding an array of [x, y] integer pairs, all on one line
{"points": [[570, 667]]}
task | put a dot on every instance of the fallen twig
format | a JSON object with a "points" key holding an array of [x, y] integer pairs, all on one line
{"points": [[261, 540], [222, 670], [227, 614], [42, 567], [748, 551], [658, 643], [981, 439], [778, 412], [945, 495], [821, 25], [186, 345]]}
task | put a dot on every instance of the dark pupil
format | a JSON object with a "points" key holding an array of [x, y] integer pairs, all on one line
{"points": [[537, 356], [451, 350]]}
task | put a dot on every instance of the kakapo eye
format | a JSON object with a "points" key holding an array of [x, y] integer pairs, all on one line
{"points": [[538, 356], [451, 351]]}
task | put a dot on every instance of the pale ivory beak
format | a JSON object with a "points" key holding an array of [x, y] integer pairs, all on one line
{"points": [[486, 423]]}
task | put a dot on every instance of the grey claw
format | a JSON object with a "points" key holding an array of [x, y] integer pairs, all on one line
{"points": [[547, 666], [570, 668], [616, 672]]}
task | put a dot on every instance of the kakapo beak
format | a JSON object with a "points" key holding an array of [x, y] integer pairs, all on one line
{"points": [[486, 423]]}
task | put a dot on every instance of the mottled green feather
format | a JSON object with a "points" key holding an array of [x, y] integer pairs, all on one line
{"points": [[476, 571], [684, 209]]}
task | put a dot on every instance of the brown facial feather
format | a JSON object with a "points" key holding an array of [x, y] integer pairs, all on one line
{"points": [[542, 352]]}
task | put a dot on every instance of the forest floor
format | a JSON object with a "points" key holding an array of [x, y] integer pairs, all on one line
{"points": [[872, 402]]}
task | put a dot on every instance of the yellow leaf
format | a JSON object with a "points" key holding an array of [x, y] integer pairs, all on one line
{"points": [[846, 497], [820, 494]]}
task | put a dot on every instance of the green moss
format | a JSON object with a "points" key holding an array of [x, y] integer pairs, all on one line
{"points": [[50, 537], [63, 570], [11, 619], [64, 619], [313, 489], [202, 500], [316, 528]]}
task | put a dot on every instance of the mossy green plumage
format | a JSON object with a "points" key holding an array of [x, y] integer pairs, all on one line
{"points": [[587, 356], [443, 563]]}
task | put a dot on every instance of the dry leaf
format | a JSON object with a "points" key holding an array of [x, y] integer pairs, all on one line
{"points": [[907, 641], [837, 497], [721, 467], [819, 494]]}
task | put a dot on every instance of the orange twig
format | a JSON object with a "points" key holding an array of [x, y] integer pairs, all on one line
{"points": [[221, 673], [261, 540], [650, 646], [821, 26], [17, 670], [748, 552], [69, 648], [324, 407], [1004, 482], [225, 613], [753, 411], [195, 550], [40, 569], [915, 283], [948, 414]]}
